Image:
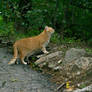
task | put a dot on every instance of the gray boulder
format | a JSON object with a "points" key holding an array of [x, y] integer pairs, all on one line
{"points": [[76, 66], [83, 62], [75, 60], [73, 54]]}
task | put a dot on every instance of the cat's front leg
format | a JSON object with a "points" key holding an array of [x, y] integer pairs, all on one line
{"points": [[44, 50]]}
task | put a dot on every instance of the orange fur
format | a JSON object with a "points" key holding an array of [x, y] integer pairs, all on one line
{"points": [[30, 45]]}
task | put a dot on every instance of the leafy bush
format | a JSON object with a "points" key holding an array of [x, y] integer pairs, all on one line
{"points": [[71, 19], [55, 38], [6, 28]]}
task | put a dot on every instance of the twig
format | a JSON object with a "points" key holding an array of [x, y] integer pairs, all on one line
{"points": [[60, 87]]}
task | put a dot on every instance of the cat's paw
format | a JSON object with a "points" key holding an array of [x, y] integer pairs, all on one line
{"points": [[46, 52], [24, 63]]}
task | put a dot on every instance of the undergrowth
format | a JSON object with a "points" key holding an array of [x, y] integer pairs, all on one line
{"points": [[8, 29]]}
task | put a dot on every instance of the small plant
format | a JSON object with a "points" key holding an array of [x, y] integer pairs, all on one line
{"points": [[33, 32], [82, 85], [55, 38], [89, 50]]}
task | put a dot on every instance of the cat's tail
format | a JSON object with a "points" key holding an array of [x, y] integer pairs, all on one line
{"points": [[13, 60]]}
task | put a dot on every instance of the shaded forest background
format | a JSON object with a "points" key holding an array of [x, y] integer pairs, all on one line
{"points": [[72, 19]]}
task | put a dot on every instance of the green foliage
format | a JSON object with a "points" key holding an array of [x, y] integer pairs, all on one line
{"points": [[55, 38], [33, 32], [6, 28], [89, 51], [89, 42], [82, 86], [71, 19]]}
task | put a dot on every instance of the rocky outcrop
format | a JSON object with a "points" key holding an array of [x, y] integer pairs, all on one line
{"points": [[72, 64], [50, 59], [74, 58], [73, 54]]}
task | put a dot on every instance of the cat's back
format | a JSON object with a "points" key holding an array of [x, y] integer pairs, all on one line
{"points": [[31, 42]]}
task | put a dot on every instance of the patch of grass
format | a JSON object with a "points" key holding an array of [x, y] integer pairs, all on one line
{"points": [[82, 86], [89, 50], [35, 67], [68, 40], [33, 32], [14, 80], [4, 56], [19, 36], [3, 83], [55, 38]]}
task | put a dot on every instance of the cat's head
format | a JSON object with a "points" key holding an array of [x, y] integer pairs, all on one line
{"points": [[49, 30]]}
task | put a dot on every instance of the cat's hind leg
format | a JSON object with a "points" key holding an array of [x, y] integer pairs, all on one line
{"points": [[22, 56], [14, 57]]}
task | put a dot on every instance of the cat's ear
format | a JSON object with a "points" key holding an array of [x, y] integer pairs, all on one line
{"points": [[46, 28]]}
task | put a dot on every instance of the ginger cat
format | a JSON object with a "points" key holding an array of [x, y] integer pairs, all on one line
{"points": [[28, 46]]}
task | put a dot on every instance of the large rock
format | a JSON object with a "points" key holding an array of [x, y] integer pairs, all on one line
{"points": [[75, 61], [51, 59], [83, 62], [73, 54], [76, 66]]}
